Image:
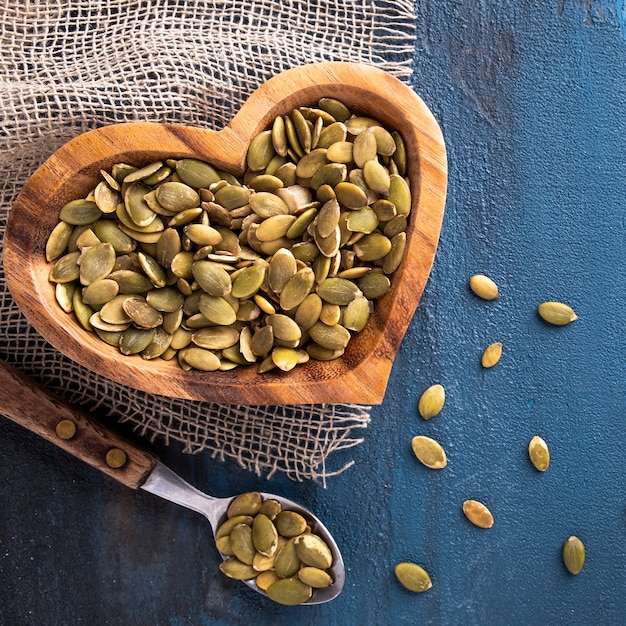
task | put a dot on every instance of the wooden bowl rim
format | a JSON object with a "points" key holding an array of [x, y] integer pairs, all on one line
{"points": [[361, 375]]}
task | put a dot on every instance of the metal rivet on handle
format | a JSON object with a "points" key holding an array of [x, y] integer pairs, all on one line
{"points": [[65, 429], [116, 458]]}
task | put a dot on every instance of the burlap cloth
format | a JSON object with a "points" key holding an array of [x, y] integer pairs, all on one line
{"points": [[68, 66]]}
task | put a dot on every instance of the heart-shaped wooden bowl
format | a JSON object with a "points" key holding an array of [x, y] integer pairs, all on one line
{"points": [[361, 374]]}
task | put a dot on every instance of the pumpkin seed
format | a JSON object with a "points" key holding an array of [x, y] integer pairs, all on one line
{"points": [[287, 561], [413, 577], [79, 212], [372, 247], [429, 452], [264, 535], [197, 174], [374, 285], [143, 172], [309, 311], [315, 577], [248, 503], [96, 262], [356, 314], [100, 292], [340, 291], [557, 313], [284, 358], [135, 340], [242, 543], [337, 109], [261, 151], [483, 287], [491, 354], [477, 513], [248, 282], [66, 269], [266, 578], [58, 241], [330, 337], [431, 401], [212, 279], [297, 288], [200, 359], [177, 196], [215, 337], [539, 453], [290, 523], [235, 569], [289, 591], [313, 551], [376, 176], [574, 555]]}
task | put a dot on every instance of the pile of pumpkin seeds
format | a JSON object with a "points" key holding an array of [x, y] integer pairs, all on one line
{"points": [[275, 547], [177, 259]]}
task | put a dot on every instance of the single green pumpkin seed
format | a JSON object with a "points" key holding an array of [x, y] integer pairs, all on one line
{"points": [[287, 560], [289, 591], [80, 212], [313, 551], [431, 401], [315, 577], [96, 263], [200, 359], [574, 555], [413, 577], [235, 569], [290, 523], [484, 287], [264, 535], [557, 313], [429, 452], [242, 544], [58, 241], [539, 453]]}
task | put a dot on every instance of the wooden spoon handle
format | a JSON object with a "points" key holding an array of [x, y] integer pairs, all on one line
{"points": [[33, 407]]}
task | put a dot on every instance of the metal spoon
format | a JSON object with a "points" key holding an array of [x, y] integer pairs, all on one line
{"points": [[33, 407]]}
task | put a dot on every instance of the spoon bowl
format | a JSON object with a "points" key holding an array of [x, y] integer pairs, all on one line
{"points": [[168, 485], [361, 374]]}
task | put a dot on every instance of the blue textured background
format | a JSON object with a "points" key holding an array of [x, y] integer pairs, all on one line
{"points": [[530, 97]]}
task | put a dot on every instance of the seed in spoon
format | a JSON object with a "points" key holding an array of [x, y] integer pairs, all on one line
{"points": [[262, 540]]}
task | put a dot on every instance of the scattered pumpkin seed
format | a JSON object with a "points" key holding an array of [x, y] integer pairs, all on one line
{"points": [[477, 513], [413, 577], [539, 453], [556, 313], [429, 452], [483, 286], [491, 354], [431, 401], [574, 555]]}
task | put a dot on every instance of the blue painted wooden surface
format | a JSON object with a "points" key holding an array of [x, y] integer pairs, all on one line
{"points": [[530, 97]]}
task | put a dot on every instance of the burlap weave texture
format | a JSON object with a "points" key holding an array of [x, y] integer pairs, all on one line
{"points": [[68, 66]]}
